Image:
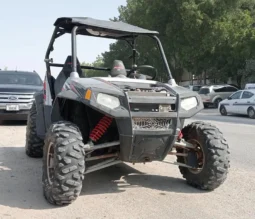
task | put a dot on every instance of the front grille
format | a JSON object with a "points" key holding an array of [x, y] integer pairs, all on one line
{"points": [[151, 124], [9, 97]]}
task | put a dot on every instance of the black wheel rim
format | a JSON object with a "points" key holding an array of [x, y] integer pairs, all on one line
{"points": [[251, 113], [199, 152], [50, 163], [223, 110]]}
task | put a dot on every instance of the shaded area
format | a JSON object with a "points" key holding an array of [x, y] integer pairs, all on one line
{"points": [[121, 177], [13, 122], [20, 181]]}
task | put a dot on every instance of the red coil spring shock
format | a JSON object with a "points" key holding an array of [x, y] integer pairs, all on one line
{"points": [[100, 128]]}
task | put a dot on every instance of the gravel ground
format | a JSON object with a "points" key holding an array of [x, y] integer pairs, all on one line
{"points": [[154, 190]]}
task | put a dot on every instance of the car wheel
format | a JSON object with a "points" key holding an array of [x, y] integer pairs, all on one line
{"points": [[223, 111], [206, 106], [251, 113], [216, 102]]}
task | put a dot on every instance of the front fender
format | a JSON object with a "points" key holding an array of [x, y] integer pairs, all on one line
{"points": [[119, 112], [216, 97]]}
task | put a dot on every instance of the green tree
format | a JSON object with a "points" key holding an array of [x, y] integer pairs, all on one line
{"points": [[238, 46], [94, 73], [214, 36]]}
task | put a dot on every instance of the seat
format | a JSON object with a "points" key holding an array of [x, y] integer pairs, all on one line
{"points": [[118, 69], [65, 73]]}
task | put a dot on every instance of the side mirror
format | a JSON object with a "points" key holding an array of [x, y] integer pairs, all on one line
{"points": [[229, 98]]}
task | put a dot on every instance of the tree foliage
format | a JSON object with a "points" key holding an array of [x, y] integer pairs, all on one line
{"points": [[213, 36], [97, 63]]}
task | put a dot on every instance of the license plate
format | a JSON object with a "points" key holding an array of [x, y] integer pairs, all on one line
{"points": [[12, 107]]}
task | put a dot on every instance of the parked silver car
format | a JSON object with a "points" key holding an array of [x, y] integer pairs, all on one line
{"points": [[195, 88], [212, 95]]}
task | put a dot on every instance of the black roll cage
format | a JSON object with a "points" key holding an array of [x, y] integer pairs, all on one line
{"points": [[58, 32]]}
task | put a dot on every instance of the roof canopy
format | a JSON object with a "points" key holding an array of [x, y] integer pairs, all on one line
{"points": [[101, 28]]}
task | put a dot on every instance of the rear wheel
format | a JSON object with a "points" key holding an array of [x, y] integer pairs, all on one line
{"points": [[34, 144], [63, 163], [216, 102], [251, 113], [206, 105], [210, 159], [223, 110]]}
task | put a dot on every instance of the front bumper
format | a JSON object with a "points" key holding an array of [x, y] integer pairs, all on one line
{"points": [[14, 111], [148, 135], [207, 101]]}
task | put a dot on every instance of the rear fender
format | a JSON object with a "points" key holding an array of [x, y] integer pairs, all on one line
{"points": [[216, 97]]}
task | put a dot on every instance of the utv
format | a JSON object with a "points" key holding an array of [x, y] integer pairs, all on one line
{"points": [[80, 125]]}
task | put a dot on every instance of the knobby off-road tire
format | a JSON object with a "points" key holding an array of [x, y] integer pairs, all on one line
{"points": [[69, 163], [216, 154], [34, 144]]}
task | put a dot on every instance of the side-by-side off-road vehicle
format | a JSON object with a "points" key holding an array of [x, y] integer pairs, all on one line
{"points": [[80, 124]]}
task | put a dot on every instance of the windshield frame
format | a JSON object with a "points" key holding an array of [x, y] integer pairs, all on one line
{"points": [[58, 32]]}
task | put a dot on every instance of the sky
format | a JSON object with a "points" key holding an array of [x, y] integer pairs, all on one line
{"points": [[27, 26]]}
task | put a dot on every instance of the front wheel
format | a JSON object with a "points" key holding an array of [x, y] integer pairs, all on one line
{"points": [[63, 163], [210, 158], [223, 110]]}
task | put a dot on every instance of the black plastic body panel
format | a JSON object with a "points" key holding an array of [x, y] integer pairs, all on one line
{"points": [[185, 93], [135, 145], [43, 117]]}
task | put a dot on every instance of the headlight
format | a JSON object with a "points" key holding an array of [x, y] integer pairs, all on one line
{"points": [[108, 100], [189, 103]]}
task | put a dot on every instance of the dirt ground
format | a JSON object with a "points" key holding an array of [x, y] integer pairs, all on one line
{"points": [[154, 190]]}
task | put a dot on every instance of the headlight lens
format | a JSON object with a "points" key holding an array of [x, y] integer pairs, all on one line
{"points": [[189, 103], [108, 100]]}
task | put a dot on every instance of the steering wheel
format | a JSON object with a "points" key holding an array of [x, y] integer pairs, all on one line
{"points": [[143, 67]]}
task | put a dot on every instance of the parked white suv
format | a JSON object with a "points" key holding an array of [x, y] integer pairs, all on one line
{"points": [[250, 86], [17, 90], [214, 94]]}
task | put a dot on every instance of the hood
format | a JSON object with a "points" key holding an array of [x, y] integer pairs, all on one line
{"points": [[18, 88], [127, 80], [224, 101]]}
